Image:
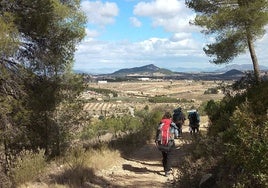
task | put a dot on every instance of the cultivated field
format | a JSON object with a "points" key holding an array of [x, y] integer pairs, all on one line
{"points": [[134, 95]]}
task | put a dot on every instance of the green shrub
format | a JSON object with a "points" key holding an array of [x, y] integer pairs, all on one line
{"points": [[247, 148], [103, 91], [211, 91], [162, 99], [145, 131], [241, 122], [236, 146], [27, 166]]}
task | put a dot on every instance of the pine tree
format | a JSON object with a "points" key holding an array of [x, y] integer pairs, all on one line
{"points": [[236, 24], [37, 44]]}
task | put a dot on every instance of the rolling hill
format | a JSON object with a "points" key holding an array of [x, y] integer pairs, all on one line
{"points": [[147, 70], [153, 71]]}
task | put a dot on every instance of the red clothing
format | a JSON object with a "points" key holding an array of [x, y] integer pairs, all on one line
{"points": [[165, 130]]}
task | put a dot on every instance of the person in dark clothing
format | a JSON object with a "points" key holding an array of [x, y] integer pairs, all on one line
{"points": [[194, 120], [178, 118], [168, 142], [166, 162]]}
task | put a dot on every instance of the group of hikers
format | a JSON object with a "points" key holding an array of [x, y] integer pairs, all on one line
{"points": [[170, 128]]}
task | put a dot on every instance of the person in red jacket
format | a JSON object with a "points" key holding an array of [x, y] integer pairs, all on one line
{"points": [[165, 141]]}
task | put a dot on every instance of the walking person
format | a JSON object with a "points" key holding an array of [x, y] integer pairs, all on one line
{"points": [[178, 118], [165, 141], [194, 120]]}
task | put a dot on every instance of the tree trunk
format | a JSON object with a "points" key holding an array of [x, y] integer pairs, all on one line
{"points": [[6, 149], [253, 58]]}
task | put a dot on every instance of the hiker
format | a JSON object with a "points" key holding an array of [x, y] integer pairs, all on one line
{"points": [[178, 118], [165, 141], [194, 120]]}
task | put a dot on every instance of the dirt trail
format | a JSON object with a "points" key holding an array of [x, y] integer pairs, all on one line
{"points": [[144, 167]]}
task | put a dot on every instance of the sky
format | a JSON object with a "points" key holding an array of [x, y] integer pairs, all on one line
{"points": [[133, 33]]}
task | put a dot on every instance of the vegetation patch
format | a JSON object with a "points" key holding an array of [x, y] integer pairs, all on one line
{"points": [[103, 91], [235, 148], [162, 99], [27, 166]]}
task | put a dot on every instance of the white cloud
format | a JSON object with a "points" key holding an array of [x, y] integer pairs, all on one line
{"points": [[183, 48], [100, 13], [172, 15], [158, 8], [135, 22], [159, 51], [91, 33], [180, 36]]}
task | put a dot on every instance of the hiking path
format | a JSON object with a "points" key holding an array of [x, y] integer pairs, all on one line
{"points": [[144, 168]]}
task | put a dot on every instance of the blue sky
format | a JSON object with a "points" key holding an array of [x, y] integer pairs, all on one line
{"points": [[133, 33]]}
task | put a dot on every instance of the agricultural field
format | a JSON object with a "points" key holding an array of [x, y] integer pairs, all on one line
{"points": [[133, 96]]}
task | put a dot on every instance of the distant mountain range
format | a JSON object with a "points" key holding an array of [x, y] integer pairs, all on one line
{"points": [[154, 72], [245, 67], [151, 70]]}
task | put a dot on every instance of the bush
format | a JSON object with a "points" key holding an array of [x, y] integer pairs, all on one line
{"points": [[236, 146], [242, 124], [247, 148], [211, 91], [27, 166], [103, 91], [81, 165], [144, 132], [162, 99]]}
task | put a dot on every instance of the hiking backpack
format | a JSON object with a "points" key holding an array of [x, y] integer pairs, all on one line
{"points": [[165, 136], [178, 116], [193, 118]]}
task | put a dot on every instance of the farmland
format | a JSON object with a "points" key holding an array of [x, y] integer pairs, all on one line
{"points": [[135, 95]]}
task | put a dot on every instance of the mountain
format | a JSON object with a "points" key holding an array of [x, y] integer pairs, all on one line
{"points": [[147, 70], [152, 71], [233, 73], [243, 67]]}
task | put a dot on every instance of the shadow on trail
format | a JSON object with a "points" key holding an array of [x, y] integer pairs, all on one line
{"points": [[182, 149], [138, 170], [149, 152], [78, 177]]}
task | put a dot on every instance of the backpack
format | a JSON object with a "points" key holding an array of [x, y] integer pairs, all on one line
{"points": [[178, 116], [193, 118], [165, 136]]}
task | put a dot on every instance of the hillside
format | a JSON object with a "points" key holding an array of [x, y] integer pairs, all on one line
{"points": [[244, 67], [152, 68], [147, 70], [152, 71]]}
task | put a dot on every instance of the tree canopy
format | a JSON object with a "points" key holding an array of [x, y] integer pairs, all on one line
{"points": [[235, 24], [38, 39]]}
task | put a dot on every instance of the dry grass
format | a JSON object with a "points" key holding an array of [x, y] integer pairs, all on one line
{"points": [[102, 159], [78, 169], [176, 88]]}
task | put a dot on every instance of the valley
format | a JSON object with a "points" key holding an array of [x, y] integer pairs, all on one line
{"points": [[135, 95]]}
